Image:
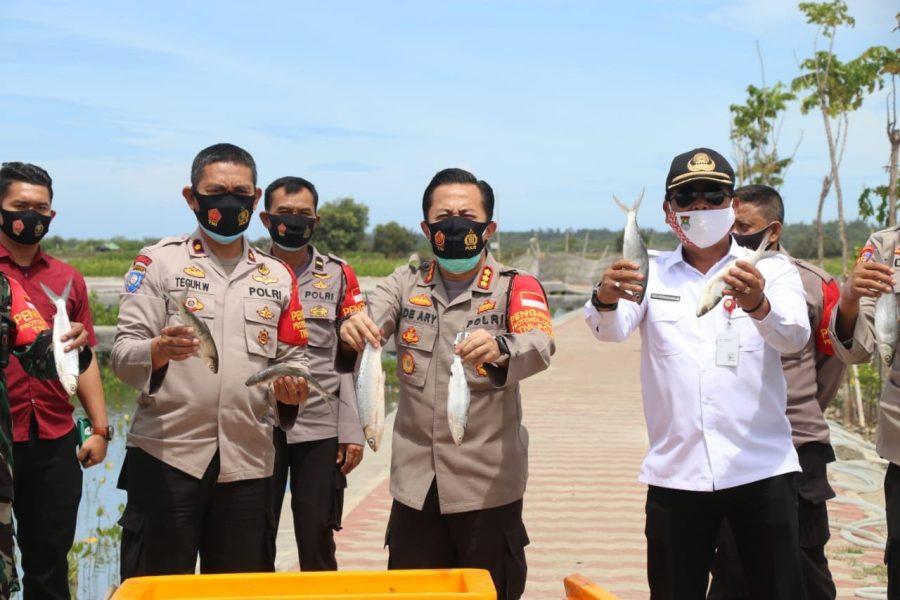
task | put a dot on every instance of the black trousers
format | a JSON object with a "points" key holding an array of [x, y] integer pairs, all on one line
{"points": [[317, 498], [170, 517], [892, 508], [492, 539], [814, 490], [682, 527], [47, 480]]}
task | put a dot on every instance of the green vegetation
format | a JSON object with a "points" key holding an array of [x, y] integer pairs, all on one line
{"points": [[101, 313]]}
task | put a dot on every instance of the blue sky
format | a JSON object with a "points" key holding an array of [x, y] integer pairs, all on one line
{"points": [[558, 104]]}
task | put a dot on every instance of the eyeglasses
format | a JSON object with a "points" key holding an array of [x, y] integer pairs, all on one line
{"points": [[711, 195]]}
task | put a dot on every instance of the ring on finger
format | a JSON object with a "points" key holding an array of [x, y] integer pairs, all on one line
{"points": [[617, 285]]}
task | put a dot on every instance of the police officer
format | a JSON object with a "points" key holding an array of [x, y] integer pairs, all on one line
{"points": [[24, 333], [200, 456], [853, 333], [813, 377], [48, 475], [325, 443], [459, 506], [713, 391]]}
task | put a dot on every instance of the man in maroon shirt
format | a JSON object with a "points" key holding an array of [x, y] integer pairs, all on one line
{"points": [[46, 471]]}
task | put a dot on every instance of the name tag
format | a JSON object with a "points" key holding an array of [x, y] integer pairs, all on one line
{"points": [[666, 297], [727, 348]]}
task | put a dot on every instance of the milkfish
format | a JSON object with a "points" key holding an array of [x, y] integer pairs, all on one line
{"points": [[712, 291], [66, 362], [207, 350], [458, 397], [886, 327], [274, 372], [370, 396], [633, 247]]}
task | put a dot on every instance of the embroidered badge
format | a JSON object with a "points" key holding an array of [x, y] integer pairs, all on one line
{"points": [[666, 297], [18, 226], [39, 229], [866, 254], [410, 336], [142, 259], [471, 240], [486, 306], [265, 313], [243, 217], [133, 280], [484, 281], [407, 363], [430, 274], [420, 300], [194, 272], [318, 311], [193, 304], [263, 276], [481, 370], [439, 240], [214, 216], [262, 337]]}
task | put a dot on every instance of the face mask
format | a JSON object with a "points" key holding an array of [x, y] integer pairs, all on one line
{"points": [[224, 217], [458, 265], [701, 228], [291, 232], [751, 240], [457, 237], [25, 226]]}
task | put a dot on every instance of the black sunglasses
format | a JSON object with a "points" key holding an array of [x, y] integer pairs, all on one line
{"points": [[714, 196]]}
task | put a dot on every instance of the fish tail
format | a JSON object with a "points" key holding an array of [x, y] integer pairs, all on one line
{"points": [[53, 297], [637, 203], [621, 205]]}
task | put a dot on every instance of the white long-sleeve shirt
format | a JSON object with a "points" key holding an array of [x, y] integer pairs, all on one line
{"points": [[711, 427]]}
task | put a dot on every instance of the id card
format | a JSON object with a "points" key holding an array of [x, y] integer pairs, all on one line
{"points": [[727, 347]]}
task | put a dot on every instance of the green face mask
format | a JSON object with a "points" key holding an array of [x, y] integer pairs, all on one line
{"points": [[458, 265]]}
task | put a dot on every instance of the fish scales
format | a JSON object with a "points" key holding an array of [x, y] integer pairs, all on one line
{"points": [[66, 362], [633, 247], [275, 372], [458, 397], [370, 396], [886, 327], [207, 350]]}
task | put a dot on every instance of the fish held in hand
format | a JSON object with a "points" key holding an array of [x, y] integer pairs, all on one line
{"points": [[633, 247], [458, 397], [886, 327], [207, 350], [712, 291], [276, 372], [66, 362], [370, 396]]}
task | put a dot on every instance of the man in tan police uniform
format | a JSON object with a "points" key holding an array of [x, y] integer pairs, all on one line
{"points": [[325, 443], [459, 506], [813, 377], [200, 452], [853, 333]]}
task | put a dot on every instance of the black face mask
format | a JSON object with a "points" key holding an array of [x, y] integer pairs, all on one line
{"points": [[291, 232], [25, 226], [457, 237], [752, 240], [226, 216]]}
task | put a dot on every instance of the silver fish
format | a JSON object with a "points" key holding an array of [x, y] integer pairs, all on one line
{"points": [[270, 374], [207, 350], [633, 247], [712, 291], [66, 362], [886, 327], [458, 397], [370, 396]]}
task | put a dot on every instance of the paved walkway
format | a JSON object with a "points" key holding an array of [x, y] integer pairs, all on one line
{"points": [[584, 508]]}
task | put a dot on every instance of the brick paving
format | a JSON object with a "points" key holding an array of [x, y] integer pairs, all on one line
{"points": [[584, 508]]}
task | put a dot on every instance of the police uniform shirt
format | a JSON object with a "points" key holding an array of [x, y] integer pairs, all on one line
{"points": [[185, 413], [711, 427]]}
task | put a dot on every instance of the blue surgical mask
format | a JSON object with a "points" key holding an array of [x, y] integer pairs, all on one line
{"points": [[222, 239], [458, 265]]}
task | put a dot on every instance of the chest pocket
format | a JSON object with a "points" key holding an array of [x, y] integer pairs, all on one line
{"points": [[200, 304], [667, 332], [415, 349], [748, 336], [261, 327], [322, 332]]}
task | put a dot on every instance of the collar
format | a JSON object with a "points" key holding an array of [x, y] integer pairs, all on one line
{"points": [[38, 257], [197, 247], [484, 281], [667, 260]]}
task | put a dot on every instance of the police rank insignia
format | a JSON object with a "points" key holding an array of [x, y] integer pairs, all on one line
{"points": [[318, 311], [265, 313], [430, 274], [471, 240], [263, 276], [194, 272], [407, 363], [486, 306], [484, 280], [262, 337], [320, 283], [193, 304], [420, 300], [410, 336]]}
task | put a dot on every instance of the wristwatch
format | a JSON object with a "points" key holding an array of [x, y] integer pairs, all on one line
{"points": [[502, 345], [105, 432], [595, 302]]}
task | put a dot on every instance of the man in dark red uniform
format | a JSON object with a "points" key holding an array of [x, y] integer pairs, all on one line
{"points": [[47, 473]]}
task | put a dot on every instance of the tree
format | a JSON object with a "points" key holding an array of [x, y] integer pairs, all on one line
{"points": [[342, 226], [393, 240], [836, 88], [754, 132]]}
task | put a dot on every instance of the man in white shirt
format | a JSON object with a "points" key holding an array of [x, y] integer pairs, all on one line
{"points": [[713, 390]]}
